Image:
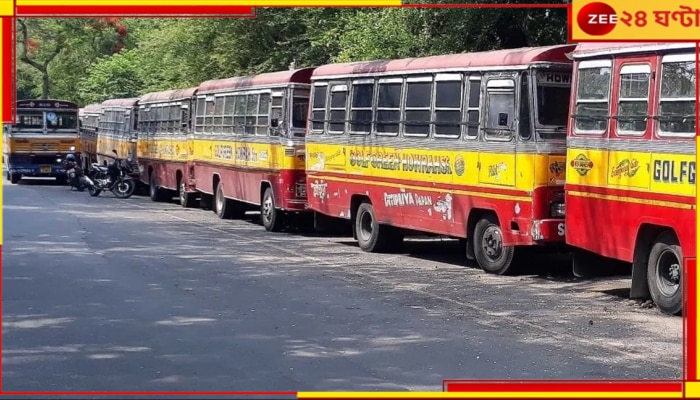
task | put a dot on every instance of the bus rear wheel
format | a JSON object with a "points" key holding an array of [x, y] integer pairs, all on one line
{"points": [[665, 274], [272, 218], [489, 251], [187, 199], [373, 237], [156, 193]]}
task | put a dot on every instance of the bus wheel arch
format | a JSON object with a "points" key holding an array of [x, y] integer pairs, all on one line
{"points": [[665, 272], [372, 236], [487, 241], [271, 216]]}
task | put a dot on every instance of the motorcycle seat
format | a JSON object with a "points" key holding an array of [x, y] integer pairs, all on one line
{"points": [[99, 167]]}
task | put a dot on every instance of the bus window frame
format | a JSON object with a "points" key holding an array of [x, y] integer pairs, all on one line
{"points": [[279, 93], [591, 64], [469, 78], [530, 91], [343, 87], [669, 59], [448, 77], [497, 84], [371, 109], [635, 67], [375, 121], [323, 109], [297, 92], [405, 109]]}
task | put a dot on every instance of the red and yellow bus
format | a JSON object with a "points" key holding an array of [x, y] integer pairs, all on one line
{"points": [[117, 129], [165, 148], [249, 144], [89, 121], [470, 146], [44, 133], [630, 183]]}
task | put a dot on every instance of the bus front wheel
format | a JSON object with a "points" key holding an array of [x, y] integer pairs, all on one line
{"points": [[489, 251], [665, 274], [14, 178]]}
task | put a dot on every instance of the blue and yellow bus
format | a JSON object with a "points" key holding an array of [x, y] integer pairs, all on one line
{"points": [[44, 133]]}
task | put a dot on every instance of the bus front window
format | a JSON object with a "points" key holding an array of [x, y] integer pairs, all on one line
{"points": [[300, 110], [31, 120], [61, 120], [553, 92]]}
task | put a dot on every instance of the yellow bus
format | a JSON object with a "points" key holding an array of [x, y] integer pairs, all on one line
{"points": [[249, 145], [164, 145], [470, 146], [117, 129], [89, 121], [44, 133]]}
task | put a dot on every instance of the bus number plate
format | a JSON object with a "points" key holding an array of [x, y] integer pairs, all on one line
{"points": [[45, 170]]}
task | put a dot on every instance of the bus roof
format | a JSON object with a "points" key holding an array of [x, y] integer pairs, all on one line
{"points": [[587, 50], [130, 102], [168, 95], [46, 103], [496, 58], [301, 75], [92, 109]]}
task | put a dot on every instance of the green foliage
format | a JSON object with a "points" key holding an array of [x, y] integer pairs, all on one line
{"points": [[108, 58]]}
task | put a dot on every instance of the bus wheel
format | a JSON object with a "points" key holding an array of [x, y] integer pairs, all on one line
{"points": [[271, 217], [14, 178], [155, 192], [665, 274], [223, 207], [489, 251], [371, 236], [187, 200]]}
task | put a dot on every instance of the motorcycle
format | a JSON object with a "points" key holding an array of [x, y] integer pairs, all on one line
{"points": [[122, 186], [76, 176]]}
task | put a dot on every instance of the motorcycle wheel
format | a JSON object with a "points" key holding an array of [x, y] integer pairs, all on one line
{"points": [[124, 189], [94, 192]]}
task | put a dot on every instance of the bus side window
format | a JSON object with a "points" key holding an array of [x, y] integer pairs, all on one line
{"points": [[318, 109], [474, 107], [500, 103], [524, 119]]}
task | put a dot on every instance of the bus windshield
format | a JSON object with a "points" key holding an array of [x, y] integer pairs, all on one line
{"points": [[553, 90], [61, 120], [29, 120], [300, 109]]}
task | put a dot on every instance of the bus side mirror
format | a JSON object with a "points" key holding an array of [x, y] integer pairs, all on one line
{"points": [[274, 123], [503, 119]]}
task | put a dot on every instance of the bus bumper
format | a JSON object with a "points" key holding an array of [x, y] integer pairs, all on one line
{"points": [[37, 170], [547, 230]]}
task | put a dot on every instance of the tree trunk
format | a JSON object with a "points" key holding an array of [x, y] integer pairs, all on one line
{"points": [[45, 84]]}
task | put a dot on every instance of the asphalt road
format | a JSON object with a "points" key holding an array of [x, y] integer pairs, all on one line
{"points": [[102, 294]]}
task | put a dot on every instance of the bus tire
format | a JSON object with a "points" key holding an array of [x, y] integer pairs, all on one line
{"points": [[489, 251], [156, 193], [271, 217], [373, 237], [223, 207], [665, 274], [187, 199], [14, 178]]}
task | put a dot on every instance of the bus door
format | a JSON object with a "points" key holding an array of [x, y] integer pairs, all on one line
{"points": [[629, 155], [497, 160]]}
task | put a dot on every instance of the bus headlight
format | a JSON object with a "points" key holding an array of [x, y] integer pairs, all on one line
{"points": [[557, 210]]}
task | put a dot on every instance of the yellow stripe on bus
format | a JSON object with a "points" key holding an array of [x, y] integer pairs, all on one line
{"points": [[634, 200]]}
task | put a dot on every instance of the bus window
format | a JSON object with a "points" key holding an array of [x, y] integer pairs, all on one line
{"points": [[388, 106], [633, 100], [300, 110], [361, 107], [474, 107], [419, 95], [593, 97], [339, 100], [500, 103], [263, 121], [524, 129], [30, 121], [553, 93], [677, 100], [448, 106], [318, 112], [61, 120], [276, 115]]}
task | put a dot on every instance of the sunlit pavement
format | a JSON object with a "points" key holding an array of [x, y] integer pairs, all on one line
{"points": [[102, 294]]}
